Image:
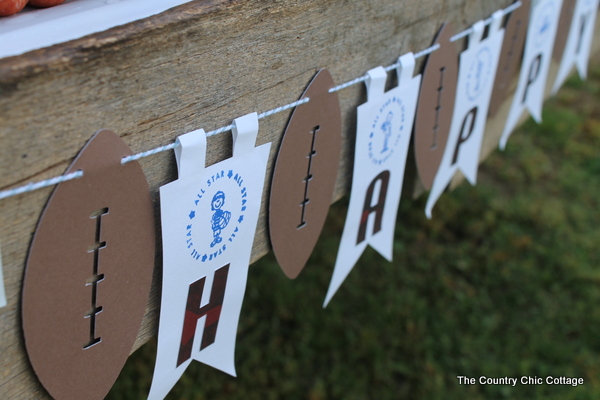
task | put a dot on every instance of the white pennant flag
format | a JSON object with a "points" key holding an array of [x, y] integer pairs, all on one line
{"points": [[209, 218], [477, 70], [541, 32], [383, 132], [579, 42]]}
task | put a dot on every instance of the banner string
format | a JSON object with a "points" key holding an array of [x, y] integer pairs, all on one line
{"points": [[78, 174], [30, 187]]}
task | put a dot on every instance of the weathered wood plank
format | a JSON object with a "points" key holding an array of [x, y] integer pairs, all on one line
{"points": [[197, 66]]}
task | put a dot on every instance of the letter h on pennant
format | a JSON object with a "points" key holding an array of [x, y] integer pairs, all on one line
{"points": [[193, 312]]}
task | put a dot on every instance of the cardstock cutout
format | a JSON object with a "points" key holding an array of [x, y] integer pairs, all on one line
{"points": [[562, 32], [511, 54], [543, 22], [478, 64], [88, 273], [436, 104], [383, 131], [209, 217], [2, 292], [305, 175], [579, 42]]}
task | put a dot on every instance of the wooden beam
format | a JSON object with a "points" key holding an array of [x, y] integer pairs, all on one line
{"points": [[199, 65]]}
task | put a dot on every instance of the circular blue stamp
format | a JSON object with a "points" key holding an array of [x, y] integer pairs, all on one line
{"points": [[543, 23], [386, 130], [216, 215], [480, 72]]}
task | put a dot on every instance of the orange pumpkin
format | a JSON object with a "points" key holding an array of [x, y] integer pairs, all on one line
{"points": [[45, 3], [10, 7]]}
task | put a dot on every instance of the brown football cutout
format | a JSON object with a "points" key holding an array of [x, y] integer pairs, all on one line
{"points": [[562, 30], [511, 55], [305, 174], [436, 106], [88, 273]]}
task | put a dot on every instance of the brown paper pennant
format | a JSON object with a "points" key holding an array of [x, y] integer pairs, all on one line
{"points": [[305, 175], [436, 105], [88, 273], [511, 54], [562, 32]]}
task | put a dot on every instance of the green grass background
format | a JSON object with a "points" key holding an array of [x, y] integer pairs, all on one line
{"points": [[503, 281]]}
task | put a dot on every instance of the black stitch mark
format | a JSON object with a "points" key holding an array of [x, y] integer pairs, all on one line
{"points": [[511, 51], [309, 176], [438, 108], [95, 278]]}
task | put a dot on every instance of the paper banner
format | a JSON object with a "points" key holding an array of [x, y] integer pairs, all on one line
{"points": [[529, 95], [209, 218], [305, 173], [511, 55], [2, 292], [382, 137], [579, 42], [478, 64], [89, 272], [562, 31], [435, 106]]}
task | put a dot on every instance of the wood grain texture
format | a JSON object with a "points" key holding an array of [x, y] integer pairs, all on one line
{"points": [[199, 65]]}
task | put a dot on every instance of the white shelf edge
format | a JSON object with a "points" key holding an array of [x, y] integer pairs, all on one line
{"points": [[34, 29]]}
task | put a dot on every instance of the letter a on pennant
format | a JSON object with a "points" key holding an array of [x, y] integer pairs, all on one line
{"points": [[541, 32], [209, 218], [383, 132], [579, 42], [477, 70]]}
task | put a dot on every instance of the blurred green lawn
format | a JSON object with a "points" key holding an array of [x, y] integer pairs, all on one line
{"points": [[503, 281]]}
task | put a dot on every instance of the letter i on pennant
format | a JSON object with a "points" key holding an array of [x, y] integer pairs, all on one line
{"points": [[383, 132], [477, 69], [579, 42], [209, 218], [541, 32]]}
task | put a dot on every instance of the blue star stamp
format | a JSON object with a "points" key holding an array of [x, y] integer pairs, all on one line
{"points": [[217, 215], [386, 130], [480, 72], [543, 23]]}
